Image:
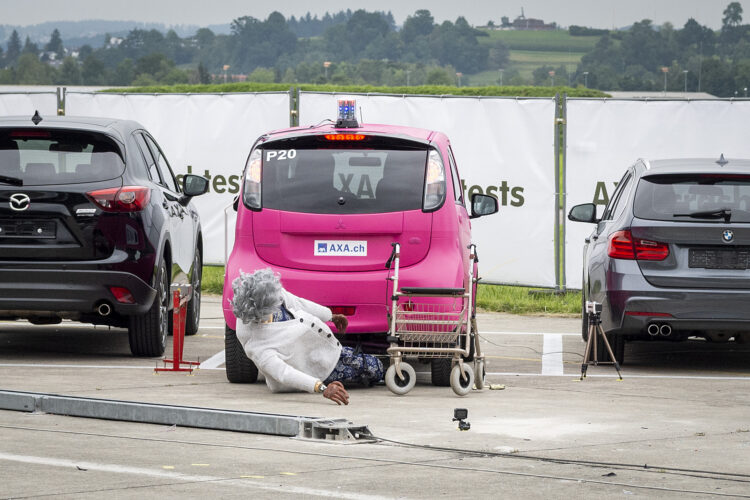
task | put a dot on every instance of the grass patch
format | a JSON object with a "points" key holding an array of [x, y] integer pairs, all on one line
{"points": [[555, 40], [522, 300], [495, 298]]}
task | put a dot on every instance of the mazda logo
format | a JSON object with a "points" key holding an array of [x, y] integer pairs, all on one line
{"points": [[19, 202], [728, 235]]}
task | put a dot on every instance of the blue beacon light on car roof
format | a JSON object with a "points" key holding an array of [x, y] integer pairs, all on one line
{"points": [[347, 116]]}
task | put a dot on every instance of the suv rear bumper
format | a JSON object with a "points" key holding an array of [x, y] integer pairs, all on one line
{"points": [[682, 310], [24, 292]]}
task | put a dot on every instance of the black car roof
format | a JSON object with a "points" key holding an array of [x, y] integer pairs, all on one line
{"points": [[111, 126]]}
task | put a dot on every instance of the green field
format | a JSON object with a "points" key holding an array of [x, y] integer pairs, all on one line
{"points": [[555, 41]]}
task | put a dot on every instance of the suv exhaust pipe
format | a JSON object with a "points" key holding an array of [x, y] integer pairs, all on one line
{"points": [[665, 330], [653, 329], [104, 309]]}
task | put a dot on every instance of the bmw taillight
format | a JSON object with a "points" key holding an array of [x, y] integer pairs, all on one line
{"points": [[253, 171], [622, 245], [123, 199], [434, 182]]}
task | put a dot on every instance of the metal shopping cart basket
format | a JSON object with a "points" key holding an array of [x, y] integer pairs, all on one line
{"points": [[436, 324]]}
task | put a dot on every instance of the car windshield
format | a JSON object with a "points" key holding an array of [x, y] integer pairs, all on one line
{"points": [[694, 198], [38, 157], [343, 181]]}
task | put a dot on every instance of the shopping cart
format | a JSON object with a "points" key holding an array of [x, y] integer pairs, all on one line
{"points": [[430, 323]]}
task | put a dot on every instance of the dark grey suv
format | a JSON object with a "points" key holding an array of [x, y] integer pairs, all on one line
{"points": [[670, 256]]}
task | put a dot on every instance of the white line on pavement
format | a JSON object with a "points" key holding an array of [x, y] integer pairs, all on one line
{"points": [[142, 471], [41, 365], [527, 333], [552, 356], [625, 376], [214, 361]]}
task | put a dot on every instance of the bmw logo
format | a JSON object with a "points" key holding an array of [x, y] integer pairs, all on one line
{"points": [[727, 235]]}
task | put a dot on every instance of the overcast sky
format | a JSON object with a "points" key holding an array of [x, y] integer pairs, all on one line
{"points": [[595, 13]]}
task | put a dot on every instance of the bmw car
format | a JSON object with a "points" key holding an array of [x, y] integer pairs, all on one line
{"points": [[94, 227], [669, 258]]}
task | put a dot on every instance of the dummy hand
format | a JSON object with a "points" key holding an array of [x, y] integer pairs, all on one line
{"points": [[336, 392], [340, 322]]}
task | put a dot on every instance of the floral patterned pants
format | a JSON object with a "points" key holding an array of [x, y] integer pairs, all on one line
{"points": [[356, 367]]}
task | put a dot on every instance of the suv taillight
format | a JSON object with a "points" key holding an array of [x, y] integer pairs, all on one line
{"points": [[124, 199], [623, 246], [434, 182], [253, 172]]}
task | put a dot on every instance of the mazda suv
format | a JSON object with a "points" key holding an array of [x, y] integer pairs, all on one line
{"points": [[94, 227]]}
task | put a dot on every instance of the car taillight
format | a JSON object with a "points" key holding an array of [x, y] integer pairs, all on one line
{"points": [[124, 199], [622, 245], [434, 182], [253, 173]]}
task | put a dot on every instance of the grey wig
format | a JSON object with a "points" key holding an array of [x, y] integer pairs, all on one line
{"points": [[256, 295]]}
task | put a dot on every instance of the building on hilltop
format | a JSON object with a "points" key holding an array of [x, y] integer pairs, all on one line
{"points": [[527, 23]]}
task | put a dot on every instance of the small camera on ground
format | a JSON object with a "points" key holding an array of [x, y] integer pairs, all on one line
{"points": [[461, 414]]}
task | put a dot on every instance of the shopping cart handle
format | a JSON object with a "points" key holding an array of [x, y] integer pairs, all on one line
{"points": [[393, 256], [476, 255]]}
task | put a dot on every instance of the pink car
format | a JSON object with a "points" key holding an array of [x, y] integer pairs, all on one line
{"points": [[322, 205]]}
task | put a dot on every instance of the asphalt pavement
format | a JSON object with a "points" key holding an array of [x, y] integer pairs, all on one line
{"points": [[676, 426]]}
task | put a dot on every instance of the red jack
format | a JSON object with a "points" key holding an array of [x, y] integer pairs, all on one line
{"points": [[179, 312]]}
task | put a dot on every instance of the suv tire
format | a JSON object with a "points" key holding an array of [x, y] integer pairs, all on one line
{"points": [[240, 369], [147, 333], [193, 318]]}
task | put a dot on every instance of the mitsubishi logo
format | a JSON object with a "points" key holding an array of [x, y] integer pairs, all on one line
{"points": [[340, 224], [19, 202]]}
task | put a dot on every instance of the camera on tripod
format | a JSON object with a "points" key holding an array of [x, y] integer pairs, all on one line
{"points": [[593, 307]]}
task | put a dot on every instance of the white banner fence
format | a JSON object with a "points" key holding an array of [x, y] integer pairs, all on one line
{"points": [[504, 146]]}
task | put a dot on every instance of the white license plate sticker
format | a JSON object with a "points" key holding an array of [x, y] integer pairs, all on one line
{"points": [[340, 248]]}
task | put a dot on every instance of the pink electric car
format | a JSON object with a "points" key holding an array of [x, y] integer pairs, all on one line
{"points": [[323, 205]]}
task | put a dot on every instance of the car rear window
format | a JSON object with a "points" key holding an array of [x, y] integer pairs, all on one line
{"points": [[693, 197], [40, 157], [343, 181]]}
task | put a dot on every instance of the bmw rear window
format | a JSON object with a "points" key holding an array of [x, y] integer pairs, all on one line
{"points": [[694, 198], [343, 180], [38, 157]]}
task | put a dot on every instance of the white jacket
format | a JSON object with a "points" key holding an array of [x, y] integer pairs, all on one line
{"points": [[293, 354]]}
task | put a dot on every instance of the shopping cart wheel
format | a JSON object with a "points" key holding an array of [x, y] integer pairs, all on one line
{"points": [[395, 384], [479, 374], [462, 385]]}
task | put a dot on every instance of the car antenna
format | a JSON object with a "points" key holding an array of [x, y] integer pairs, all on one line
{"points": [[36, 118], [722, 161]]}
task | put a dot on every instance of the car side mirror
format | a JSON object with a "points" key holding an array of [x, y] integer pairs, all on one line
{"points": [[482, 204], [585, 212], [194, 185]]}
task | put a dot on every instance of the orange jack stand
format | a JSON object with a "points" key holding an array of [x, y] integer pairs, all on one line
{"points": [[180, 296]]}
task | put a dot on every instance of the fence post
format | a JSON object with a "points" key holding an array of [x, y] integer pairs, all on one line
{"points": [[61, 91], [560, 201], [293, 106]]}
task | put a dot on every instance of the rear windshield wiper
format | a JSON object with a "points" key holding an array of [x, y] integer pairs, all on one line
{"points": [[13, 181], [725, 213]]}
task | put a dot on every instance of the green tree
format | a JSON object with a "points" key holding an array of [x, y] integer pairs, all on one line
{"points": [[124, 73], [30, 48], [55, 45], [14, 49], [93, 71], [420, 24], [30, 70], [262, 75], [203, 75], [732, 16], [70, 73], [439, 76]]}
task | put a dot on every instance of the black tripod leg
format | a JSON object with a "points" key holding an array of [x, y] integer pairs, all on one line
{"points": [[611, 354], [587, 353]]}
